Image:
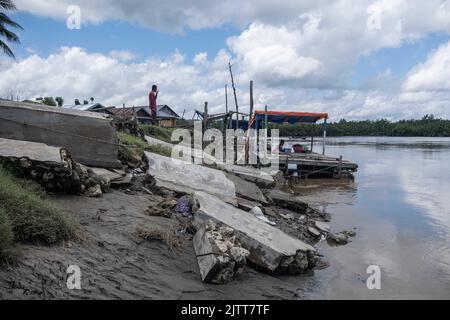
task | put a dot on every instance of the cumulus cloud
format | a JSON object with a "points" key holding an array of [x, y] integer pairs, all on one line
{"points": [[123, 55], [433, 74], [300, 54]]}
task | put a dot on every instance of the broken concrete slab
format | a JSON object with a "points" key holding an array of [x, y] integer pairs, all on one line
{"points": [[259, 176], [322, 226], [40, 152], [247, 190], [316, 233], [247, 205], [50, 166], [220, 256], [186, 178], [288, 201], [106, 174], [89, 137], [269, 247]]}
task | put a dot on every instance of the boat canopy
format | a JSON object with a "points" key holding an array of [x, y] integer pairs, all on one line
{"points": [[282, 116]]}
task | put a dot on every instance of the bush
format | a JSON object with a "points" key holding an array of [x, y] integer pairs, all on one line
{"points": [[164, 134], [32, 218], [6, 234], [133, 148]]}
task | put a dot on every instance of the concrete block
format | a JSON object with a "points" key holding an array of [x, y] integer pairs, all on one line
{"points": [[269, 247], [89, 137], [186, 178]]}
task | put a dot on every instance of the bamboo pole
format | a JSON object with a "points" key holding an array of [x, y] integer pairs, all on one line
{"points": [[324, 135], [251, 99], [235, 97]]}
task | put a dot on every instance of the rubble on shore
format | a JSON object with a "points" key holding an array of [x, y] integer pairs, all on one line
{"points": [[51, 167], [270, 248], [89, 137], [219, 254], [186, 178]]}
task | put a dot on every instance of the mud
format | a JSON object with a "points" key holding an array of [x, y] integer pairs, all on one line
{"points": [[116, 263]]}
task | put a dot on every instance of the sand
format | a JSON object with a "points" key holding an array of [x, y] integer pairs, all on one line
{"points": [[116, 264]]}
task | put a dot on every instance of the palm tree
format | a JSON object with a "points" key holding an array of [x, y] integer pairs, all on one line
{"points": [[5, 22]]}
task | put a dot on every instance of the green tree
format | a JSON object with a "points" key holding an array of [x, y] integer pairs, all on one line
{"points": [[85, 102], [92, 99], [5, 24], [60, 101], [49, 101], [77, 102]]}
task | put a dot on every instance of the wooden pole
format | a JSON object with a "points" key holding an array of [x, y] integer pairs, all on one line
{"points": [[266, 119], [205, 118], [251, 100], [226, 98], [324, 135], [235, 97]]}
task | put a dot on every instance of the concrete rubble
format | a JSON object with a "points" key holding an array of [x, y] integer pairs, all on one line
{"points": [[247, 190], [90, 137], [259, 176], [286, 200], [186, 178], [50, 166], [220, 256], [269, 247]]}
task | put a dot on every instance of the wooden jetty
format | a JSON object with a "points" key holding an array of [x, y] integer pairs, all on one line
{"points": [[315, 165]]}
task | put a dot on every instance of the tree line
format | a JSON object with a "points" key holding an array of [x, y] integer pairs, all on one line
{"points": [[428, 126]]}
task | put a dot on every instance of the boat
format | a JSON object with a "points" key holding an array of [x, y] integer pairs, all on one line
{"points": [[305, 163]]}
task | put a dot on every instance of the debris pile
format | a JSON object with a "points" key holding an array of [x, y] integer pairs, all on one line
{"points": [[269, 247], [90, 137], [219, 254], [51, 167]]}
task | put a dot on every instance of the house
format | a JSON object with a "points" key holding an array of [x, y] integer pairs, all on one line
{"points": [[92, 107], [165, 115]]}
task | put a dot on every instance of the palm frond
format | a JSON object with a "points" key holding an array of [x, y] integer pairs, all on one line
{"points": [[5, 20], [9, 35], [7, 5], [6, 49]]}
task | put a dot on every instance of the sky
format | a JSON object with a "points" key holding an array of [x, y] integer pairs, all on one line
{"points": [[357, 59]]}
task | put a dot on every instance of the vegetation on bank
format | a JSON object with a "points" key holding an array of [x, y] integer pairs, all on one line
{"points": [[163, 134], [132, 148], [428, 126], [27, 217]]}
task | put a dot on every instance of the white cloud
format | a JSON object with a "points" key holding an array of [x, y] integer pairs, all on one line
{"points": [[123, 55], [433, 74], [201, 58], [300, 54]]}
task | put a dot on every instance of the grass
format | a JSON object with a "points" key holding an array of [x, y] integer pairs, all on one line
{"points": [[27, 217], [164, 134], [133, 148]]}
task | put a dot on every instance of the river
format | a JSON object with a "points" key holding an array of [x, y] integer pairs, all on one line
{"points": [[399, 203]]}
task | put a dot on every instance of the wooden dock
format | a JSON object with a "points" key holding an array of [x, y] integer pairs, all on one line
{"points": [[315, 165]]}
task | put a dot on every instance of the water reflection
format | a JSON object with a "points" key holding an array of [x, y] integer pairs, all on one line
{"points": [[400, 204]]}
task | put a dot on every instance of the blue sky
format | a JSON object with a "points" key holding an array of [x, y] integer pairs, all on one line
{"points": [[116, 35], [308, 55]]}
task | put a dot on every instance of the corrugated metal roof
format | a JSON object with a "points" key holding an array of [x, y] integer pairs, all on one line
{"points": [[128, 112], [83, 107]]}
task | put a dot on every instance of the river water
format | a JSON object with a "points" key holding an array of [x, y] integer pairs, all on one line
{"points": [[399, 203]]}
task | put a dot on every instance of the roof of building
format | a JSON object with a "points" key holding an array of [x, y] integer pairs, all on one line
{"points": [[84, 107], [289, 116], [164, 111]]}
